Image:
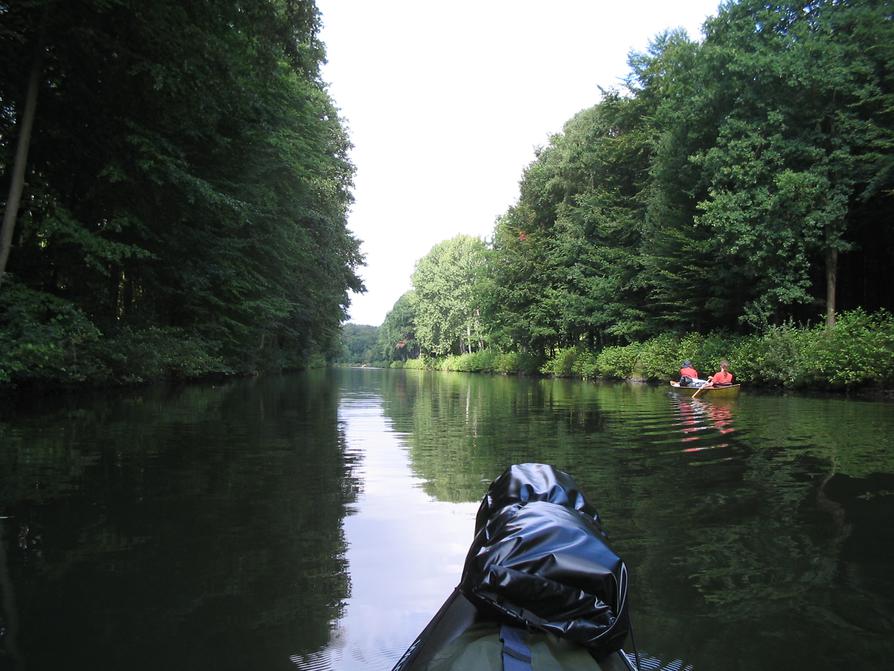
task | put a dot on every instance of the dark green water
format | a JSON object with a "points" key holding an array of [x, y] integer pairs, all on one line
{"points": [[317, 521]]}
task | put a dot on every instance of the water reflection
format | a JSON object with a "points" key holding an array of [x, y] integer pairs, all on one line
{"points": [[404, 550], [697, 417], [318, 521], [737, 553], [186, 528]]}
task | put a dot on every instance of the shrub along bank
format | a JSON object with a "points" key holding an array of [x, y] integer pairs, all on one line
{"points": [[858, 351], [49, 342]]}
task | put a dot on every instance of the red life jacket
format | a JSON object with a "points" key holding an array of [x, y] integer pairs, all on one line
{"points": [[722, 377], [689, 372]]}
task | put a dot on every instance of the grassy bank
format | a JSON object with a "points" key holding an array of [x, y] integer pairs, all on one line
{"points": [[857, 352]]}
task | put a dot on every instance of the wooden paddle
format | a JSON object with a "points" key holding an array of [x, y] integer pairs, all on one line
{"points": [[706, 385]]}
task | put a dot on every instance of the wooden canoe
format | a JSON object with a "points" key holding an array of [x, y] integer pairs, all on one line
{"points": [[713, 392]]}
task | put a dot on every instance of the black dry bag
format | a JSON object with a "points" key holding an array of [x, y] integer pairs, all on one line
{"points": [[540, 560]]}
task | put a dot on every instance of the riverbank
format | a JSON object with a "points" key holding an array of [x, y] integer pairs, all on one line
{"points": [[856, 354]]}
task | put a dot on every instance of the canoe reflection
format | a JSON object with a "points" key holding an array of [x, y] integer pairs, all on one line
{"points": [[696, 417]]}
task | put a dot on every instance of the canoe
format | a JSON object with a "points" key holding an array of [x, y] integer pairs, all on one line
{"points": [[458, 617], [713, 392], [540, 585]]}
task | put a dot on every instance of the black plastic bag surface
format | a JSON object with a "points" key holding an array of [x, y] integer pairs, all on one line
{"points": [[540, 560], [522, 483]]}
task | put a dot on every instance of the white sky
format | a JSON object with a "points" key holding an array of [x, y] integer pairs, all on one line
{"points": [[445, 103]]}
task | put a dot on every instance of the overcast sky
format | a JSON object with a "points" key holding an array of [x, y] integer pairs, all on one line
{"points": [[446, 102]]}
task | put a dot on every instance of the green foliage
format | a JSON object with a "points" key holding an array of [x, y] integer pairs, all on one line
{"points": [[705, 352], [586, 365], [420, 363], [562, 363], [483, 361], [618, 362], [156, 353], [314, 360], [509, 363], [858, 351], [358, 344], [447, 296], [565, 261], [716, 347], [397, 334], [775, 358], [691, 347], [167, 217], [474, 362], [659, 359], [46, 338]]}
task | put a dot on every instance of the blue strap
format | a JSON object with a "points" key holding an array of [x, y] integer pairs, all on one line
{"points": [[516, 653]]}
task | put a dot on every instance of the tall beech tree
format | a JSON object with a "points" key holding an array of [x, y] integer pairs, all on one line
{"points": [[446, 285]]}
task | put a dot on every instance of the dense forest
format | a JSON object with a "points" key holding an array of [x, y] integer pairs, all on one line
{"points": [[176, 185], [737, 184]]}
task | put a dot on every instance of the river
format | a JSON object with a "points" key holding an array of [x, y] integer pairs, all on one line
{"points": [[316, 521]]}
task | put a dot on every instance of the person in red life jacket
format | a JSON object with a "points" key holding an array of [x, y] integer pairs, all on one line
{"points": [[688, 374], [722, 378]]}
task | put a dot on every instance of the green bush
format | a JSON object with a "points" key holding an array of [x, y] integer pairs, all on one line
{"points": [[504, 363], [562, 363], [156, 353], [475, 362], [511, 363], [857, 351], [691, 347], [451, 363], [314, 360], [775, 358], [44, 339], [618, 361], [586, 365], [717, 346], [47, 339], [482, 361], [658, 358]]}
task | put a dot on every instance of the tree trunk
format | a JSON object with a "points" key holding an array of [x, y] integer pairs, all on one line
{"points": [[18, 172], [831, 278]]}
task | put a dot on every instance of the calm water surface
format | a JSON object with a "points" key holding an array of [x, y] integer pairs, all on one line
{"points": [[317, 521]]}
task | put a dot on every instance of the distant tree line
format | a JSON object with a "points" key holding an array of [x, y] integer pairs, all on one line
{"points": [[358, 345], [735, 184], [182, 207]]}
